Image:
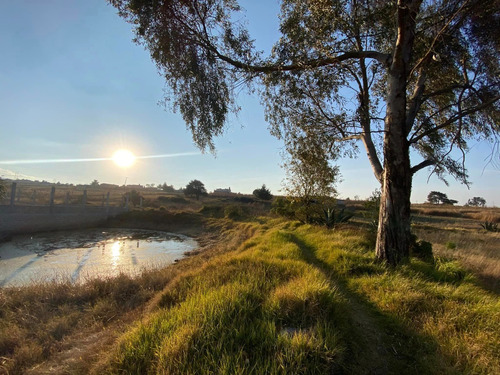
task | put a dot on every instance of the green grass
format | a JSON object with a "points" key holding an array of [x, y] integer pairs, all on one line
{"points": [[301, 299], [268, 297]]}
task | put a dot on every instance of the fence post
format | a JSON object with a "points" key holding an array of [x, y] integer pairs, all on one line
{"points": [[13, 194], [51, 202], [84, 199], [126, 200]]}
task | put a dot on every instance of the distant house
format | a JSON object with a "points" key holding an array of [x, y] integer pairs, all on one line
{"points": [[222, 191]]}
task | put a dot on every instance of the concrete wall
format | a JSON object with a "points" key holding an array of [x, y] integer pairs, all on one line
{"points": [[31, 219]]}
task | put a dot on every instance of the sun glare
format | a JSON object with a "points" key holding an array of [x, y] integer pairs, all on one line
{"points": [[123, 158]]}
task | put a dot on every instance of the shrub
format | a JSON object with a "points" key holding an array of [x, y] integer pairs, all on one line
{"points": [[421, 249], [134, 197], [164, 199], [244, 199], [212, 210], [283, 207], [234, 212], [451, 245]]}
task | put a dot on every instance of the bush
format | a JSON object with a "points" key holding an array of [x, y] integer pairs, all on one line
{"points": [[283, 207], [421, 249], [212, 210], [234, 212], [451, 245], [164, 199], [134, 197], [244, 199]]}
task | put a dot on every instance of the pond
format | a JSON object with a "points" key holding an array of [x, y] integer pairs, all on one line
{"points": [[85, 254]]}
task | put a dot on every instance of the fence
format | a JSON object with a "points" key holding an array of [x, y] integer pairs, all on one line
{"points": [[30, 209]]}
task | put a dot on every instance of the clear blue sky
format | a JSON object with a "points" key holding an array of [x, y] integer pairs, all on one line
{"points": [[74, 86]]}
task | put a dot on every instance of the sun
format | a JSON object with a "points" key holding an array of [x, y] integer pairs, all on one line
{"points": [[123, 158]]}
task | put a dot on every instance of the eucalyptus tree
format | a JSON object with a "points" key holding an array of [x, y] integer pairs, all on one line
{"points": [[385, 76]]}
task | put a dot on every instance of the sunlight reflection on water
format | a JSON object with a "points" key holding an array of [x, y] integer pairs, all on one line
{"points": [[85, 254]]}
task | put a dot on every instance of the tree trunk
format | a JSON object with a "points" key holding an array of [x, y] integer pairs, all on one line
{"points": [[394, 235], [394, 232]]}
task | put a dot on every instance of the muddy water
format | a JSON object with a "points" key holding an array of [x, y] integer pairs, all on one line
{"points": [[80, 255]]}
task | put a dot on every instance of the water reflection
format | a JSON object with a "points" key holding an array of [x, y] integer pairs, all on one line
{"points": [[115, 253], [71, 254]]}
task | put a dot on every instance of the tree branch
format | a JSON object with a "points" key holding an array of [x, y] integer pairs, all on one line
{"points": [[429, 53], [422, 165], [454, 118], [415, 101], [316, 63]]}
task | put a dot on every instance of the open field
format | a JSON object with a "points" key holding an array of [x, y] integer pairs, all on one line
{"points": [[268, 295]]}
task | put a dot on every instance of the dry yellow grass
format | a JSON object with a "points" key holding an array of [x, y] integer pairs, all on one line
{"points": [[456, 233]]}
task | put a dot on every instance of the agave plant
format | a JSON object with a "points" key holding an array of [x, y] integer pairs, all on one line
{"points": [[490, 226], [331, 219]]}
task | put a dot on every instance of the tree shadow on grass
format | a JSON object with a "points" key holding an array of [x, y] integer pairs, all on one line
{"points": [[379, 342]]}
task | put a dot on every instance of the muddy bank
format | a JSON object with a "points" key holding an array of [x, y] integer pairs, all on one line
{"points": [[187, 223]]}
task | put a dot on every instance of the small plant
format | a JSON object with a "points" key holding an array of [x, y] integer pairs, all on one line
{"points": [[330, 219], [451, 245], [490, 226]]}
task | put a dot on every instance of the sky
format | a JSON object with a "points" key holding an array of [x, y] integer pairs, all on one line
{"points": [[73, 85]]}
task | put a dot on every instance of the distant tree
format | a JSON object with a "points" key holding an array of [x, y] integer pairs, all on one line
{"points": [[476, 202], [167, 188], [436, 197], [134, 197], [195, 188], [94, 183], [310, 179], [263, 193]]}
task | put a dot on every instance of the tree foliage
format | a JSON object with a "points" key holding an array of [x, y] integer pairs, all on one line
{"points": [[387, 76], [263, 193], [436, 197], [166, 188], [195, 188], [476, 202]]}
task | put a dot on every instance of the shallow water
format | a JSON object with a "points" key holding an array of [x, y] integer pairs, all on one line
{"points": [[85, 254]]}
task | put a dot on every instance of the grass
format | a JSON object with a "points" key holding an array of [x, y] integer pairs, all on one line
{"points": [[476, 249], [267, 296], [308, 300]]}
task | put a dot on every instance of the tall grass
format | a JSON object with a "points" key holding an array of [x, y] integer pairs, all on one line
{"points": [[300, 299], [268, 297]]}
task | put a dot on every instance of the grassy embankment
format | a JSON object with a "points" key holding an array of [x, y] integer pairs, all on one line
{"points": [[273, 297]]}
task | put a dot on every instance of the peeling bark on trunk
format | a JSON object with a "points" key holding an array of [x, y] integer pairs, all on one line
{"points": [[394, 235]]}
